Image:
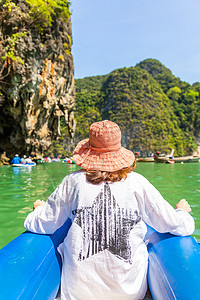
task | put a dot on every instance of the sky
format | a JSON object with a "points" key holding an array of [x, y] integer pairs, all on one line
{"points": [[112, 34]]}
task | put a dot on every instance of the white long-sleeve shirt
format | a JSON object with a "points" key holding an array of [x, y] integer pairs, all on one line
{"points": [[104, 254]]}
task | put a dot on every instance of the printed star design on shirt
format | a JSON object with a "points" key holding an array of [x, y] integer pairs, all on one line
{"points": [[105, 225]]}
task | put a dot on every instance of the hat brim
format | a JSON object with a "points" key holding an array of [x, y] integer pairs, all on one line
{"points": [[90, 159]]}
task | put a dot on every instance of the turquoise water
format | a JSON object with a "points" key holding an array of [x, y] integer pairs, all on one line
{"points": [[20, 187]]}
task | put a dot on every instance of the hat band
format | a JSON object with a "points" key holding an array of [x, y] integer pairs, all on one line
{"points": [[106, 149]]}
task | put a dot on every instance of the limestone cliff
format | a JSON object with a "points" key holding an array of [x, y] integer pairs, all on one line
{"points": [[36, 80]]}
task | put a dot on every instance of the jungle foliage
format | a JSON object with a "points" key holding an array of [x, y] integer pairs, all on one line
{"points": [[154, 109], [36, 13]]}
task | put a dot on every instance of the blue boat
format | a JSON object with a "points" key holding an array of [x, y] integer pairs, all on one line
{"points": [[30, 266], [24, 165]]}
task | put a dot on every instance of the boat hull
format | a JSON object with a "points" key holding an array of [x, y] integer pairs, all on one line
{"points": [[145, 159], [165, 160], [174, 264], [30, 266], [24, 165], [186, 159]]}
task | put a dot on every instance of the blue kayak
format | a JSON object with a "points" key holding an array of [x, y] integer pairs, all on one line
{"points": [[30, 266], [24, 165], [174, 264]]}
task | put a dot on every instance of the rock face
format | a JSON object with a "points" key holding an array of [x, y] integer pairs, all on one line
{"points": [[36, 84]]}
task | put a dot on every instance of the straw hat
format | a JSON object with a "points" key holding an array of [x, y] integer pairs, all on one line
{"points": [[103, 150]]}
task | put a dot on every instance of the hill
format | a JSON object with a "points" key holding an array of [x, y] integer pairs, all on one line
{"points": [[154, 109]]}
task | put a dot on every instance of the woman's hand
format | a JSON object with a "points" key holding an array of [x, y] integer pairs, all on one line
{"points": [[38, 203], [183, 204]]}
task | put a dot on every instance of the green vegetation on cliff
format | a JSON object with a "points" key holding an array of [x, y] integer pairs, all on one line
{"points": [[36, 13], [184, 97], [154, 109], [88, 103], [44, 11]]}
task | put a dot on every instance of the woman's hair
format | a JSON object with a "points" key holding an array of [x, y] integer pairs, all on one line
{"points": [[96, 177]]}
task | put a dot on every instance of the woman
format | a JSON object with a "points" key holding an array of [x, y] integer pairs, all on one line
{"points": [[104, 253]]}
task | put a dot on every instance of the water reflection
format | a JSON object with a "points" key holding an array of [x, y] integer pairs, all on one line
{"points": [[21, 177], [18, 170]]}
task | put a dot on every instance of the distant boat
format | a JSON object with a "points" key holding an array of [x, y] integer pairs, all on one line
{"points": [[146, 159], [24, 165], [187, 159], [167, 159], [68, 161], [170, 159]]}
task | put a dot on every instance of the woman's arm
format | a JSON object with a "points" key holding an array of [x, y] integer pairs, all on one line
{"points": [[160, 215], [50, 215]]}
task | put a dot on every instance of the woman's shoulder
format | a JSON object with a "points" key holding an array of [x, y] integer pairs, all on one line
{"points": [[74, 176], [135, 175], [137, 178]]}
